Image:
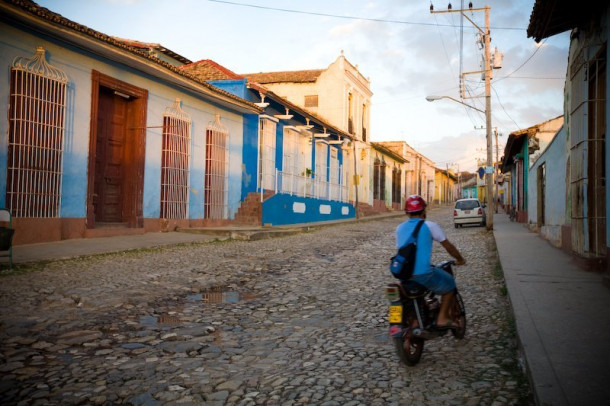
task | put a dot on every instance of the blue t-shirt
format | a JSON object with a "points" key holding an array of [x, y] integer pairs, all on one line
{"points": [[428, 232]]}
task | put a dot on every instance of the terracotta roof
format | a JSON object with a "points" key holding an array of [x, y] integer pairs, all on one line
{"points": [[153, 46], [299, 76], [59, 20], [515, 141], [206, 69]]}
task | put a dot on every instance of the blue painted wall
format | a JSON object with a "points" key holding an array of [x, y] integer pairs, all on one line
{"points": [[250, 156], [280, 210], [555, 159], [236, 87], [469, 192]]}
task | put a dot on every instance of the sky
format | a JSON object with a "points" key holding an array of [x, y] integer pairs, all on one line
{"points": [[405, 51]]}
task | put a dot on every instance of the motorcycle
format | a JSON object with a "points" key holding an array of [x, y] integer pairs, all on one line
{"points": [[413, 313]]}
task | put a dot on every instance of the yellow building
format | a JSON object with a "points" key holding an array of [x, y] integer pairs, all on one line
{"points": [[444, 186]]}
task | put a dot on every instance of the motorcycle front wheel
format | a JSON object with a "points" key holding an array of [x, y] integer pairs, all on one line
{"points": [[409, 348], [459, 317]]}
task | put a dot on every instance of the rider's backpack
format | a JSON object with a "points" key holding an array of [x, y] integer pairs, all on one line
{"points": [[402, 264]]}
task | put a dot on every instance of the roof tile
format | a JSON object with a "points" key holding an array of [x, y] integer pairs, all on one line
{"points": [[299, 76]]}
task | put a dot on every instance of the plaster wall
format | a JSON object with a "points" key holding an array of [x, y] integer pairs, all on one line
{"points": [[78, 64], [555, 160]]}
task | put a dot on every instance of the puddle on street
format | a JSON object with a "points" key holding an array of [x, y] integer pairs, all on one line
{"points": [[219, 295], [152, 321], [216, 297], [211, 296]]}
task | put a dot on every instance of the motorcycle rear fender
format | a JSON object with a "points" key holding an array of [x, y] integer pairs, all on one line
{"points": [[396, 331]]}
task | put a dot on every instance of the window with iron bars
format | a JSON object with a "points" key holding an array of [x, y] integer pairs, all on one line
{"points": [[396, 182], [266, 164], [216, 171], [36, 137], [379, 179], [175, 158]]}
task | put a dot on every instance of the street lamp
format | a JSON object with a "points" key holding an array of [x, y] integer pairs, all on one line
{"points": [[488, 178], [435, 98]]}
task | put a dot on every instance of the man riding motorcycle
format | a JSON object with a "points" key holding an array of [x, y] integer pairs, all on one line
{"points": [[424, 273]]}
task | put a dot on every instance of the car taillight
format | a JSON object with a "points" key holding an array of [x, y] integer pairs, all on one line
{"points": [[454, 213], [480, 211]]}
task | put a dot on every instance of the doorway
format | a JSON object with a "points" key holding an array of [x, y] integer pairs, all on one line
{"points": [[116, 153]]}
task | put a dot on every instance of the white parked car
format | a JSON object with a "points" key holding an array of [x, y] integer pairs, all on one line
{"points": [[468, 211]]}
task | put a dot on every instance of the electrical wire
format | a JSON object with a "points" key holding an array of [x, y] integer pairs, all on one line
{"points": [[466, 109], [379, 20], [523, 64], [503, 109]]}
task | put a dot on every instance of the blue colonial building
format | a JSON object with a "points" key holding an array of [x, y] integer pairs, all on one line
{"points": [[107, 136]]}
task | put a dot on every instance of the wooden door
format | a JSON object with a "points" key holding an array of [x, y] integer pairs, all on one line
{"points": [[109, 157]]}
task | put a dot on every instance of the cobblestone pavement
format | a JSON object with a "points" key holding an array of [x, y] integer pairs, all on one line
{"points": [[288, 321]]}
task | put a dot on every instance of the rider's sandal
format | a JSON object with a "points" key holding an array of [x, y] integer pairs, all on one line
{"points": [[448, 326]]}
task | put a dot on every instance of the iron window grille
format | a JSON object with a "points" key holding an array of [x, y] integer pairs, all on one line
{"points": [[175, 158], [267, 147], [216, 171], [36, 137]]}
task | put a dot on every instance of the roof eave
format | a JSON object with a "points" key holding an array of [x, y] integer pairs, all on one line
{"points": [[389, 152], [305, 113], [127, 56]]}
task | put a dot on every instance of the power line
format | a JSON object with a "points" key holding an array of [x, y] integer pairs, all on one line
{"points": [[379, 20], [503, 109], [523, 64], [529, 77]]}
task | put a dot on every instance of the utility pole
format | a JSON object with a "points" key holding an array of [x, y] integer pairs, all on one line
{"points": [[356, 180], [488, 171], [487, 71], [496, 167]]}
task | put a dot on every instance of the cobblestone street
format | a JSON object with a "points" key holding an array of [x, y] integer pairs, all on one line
{"points": [[297, 320]]}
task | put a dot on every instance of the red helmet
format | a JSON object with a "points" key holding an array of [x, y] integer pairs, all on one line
{"points": [[414, 204]]}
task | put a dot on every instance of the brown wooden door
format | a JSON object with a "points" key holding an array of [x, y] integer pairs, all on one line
{"points": [[109, 157]]}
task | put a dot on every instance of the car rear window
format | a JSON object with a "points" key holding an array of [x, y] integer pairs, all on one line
{"points": [[467, 205]]}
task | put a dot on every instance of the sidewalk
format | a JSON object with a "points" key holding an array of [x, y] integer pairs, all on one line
{"points": [[562, 317]]}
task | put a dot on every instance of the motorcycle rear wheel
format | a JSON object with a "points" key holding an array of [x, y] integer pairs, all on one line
{"points": [[459, 318], [409, 348]]}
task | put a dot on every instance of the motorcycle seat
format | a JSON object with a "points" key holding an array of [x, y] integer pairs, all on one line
{"points": [[413, 289]]}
